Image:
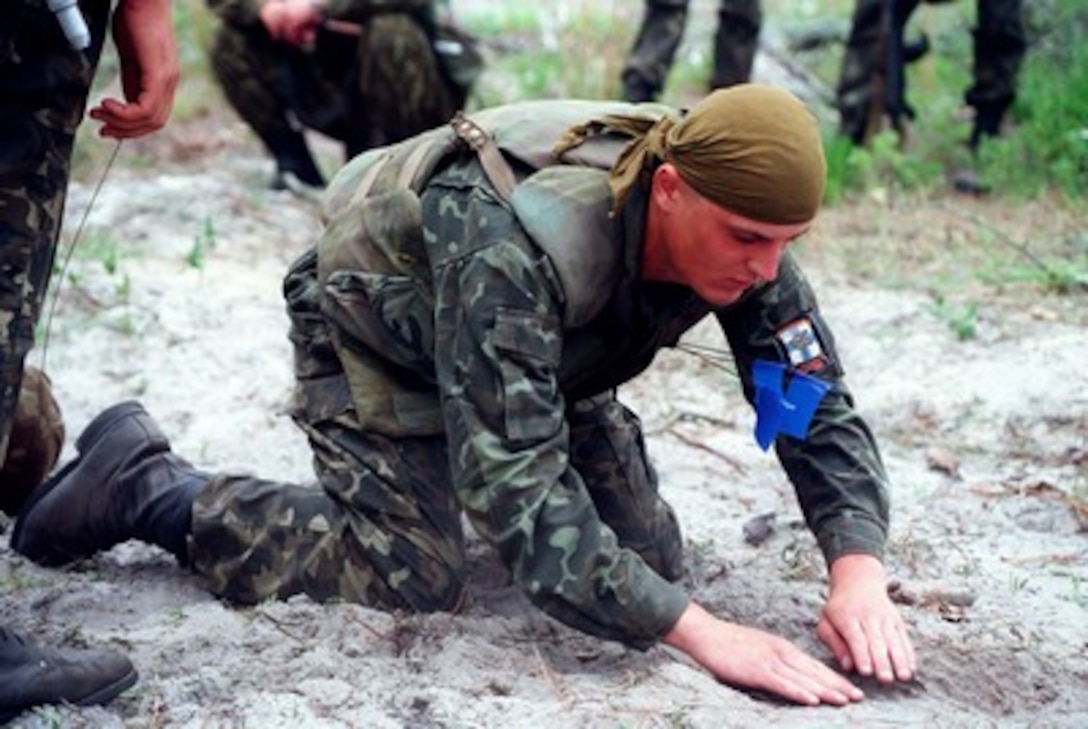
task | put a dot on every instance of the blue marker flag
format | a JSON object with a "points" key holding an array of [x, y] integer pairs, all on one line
{"points": [[788, 412]]}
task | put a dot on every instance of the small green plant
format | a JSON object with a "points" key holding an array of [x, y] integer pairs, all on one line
{"points": [[203, 241], [837, 150], [51, 715], [1017, 583], [962, 319], [124, 288], [125, 326], [96, 245]]}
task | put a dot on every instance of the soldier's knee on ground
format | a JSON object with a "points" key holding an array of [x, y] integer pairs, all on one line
{"points": [[37, 437]]}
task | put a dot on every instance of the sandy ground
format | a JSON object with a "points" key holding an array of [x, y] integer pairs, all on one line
{"points": [[173, 298]]}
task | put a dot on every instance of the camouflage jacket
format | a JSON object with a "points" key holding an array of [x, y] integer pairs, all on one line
{"points": [[462, 312], [247, 12]]}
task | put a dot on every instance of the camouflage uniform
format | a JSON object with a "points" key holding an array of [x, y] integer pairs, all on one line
{"points": [[659, 36], [999, 47], [458, 351], [43, 93], [377, 88]]}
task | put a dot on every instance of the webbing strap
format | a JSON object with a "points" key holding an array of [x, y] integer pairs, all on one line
{"points": [[495, 166]]}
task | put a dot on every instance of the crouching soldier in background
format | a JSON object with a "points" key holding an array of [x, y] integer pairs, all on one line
{"points": [[364, 72], [460, 329]]}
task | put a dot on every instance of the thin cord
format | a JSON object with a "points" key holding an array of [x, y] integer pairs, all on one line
{"points": [[63, 273], [713, 356]]}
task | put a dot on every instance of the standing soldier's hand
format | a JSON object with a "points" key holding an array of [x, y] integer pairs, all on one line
{"points": [[143, 31]]}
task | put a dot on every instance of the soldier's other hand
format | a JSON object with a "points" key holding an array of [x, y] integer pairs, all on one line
{"points": [[750, 658], [292, 21], [143, 32], [860, 624]]}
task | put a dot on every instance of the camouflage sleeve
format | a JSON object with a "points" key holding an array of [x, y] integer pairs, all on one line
{"points": [[360, 10], [242, 12], [498, 341], [836, 470]]}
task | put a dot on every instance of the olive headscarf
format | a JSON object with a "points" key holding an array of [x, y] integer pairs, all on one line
{"points": [[754, 150]]}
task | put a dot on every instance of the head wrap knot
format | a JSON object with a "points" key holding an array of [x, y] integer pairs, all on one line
{"points": [[754, 150]]}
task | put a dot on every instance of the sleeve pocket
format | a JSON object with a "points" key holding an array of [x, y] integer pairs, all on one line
{"points": [[528, 347]]}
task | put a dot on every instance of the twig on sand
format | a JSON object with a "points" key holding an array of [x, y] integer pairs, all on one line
{"points": [[696, 443]]}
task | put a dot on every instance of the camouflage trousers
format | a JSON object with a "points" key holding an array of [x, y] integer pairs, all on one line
{"points": [[999, 47], [662, 29], [367, 90], [382, 527], [43, 93]]}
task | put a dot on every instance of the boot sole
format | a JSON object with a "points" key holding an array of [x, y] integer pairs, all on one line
{"points": [[111, 692], [98, 698], [94, 432]]}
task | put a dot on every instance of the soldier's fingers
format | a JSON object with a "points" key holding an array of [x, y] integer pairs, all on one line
{"points": [[901, 651], [808, 675], [835, 643], [876, 644]]}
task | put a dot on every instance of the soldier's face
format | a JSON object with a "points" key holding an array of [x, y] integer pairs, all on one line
{"points": [[713, 251]]}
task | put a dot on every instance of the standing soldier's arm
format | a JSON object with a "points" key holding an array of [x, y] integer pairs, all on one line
{"points": [[143, 32], [297, 21], [360, 10]]}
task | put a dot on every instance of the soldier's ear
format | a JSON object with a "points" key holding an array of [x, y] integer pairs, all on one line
{"points": [[665, 187]]}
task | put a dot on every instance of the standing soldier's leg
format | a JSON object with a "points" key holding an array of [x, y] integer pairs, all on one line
{"points": [[648, 62], [401, 90], [382, 529], [43, 94], [257, 76], [860, 62], [999, 46], [608, 451], [872, 82], [736, 42]]}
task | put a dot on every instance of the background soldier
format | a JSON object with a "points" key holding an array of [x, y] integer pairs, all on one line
{"points": [[363, 72], [659, 36], [873, 86], [45, 78], [460, 328]]}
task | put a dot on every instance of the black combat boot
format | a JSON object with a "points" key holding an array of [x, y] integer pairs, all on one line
{"points": [[294, 163], [124, 484], [987, 123], [31, 675]]}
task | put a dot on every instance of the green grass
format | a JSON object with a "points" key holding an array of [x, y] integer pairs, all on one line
{"points": [[1045, 147], [535, 52], [1049, 149]]}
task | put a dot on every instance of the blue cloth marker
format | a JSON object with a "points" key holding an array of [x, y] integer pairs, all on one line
{"points": [[786, 413]]}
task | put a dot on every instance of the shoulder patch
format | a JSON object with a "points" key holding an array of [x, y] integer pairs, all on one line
{"points": [[802, 345]]}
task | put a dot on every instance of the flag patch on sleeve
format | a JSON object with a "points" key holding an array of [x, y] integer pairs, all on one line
{"points": [[802, 345]]}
